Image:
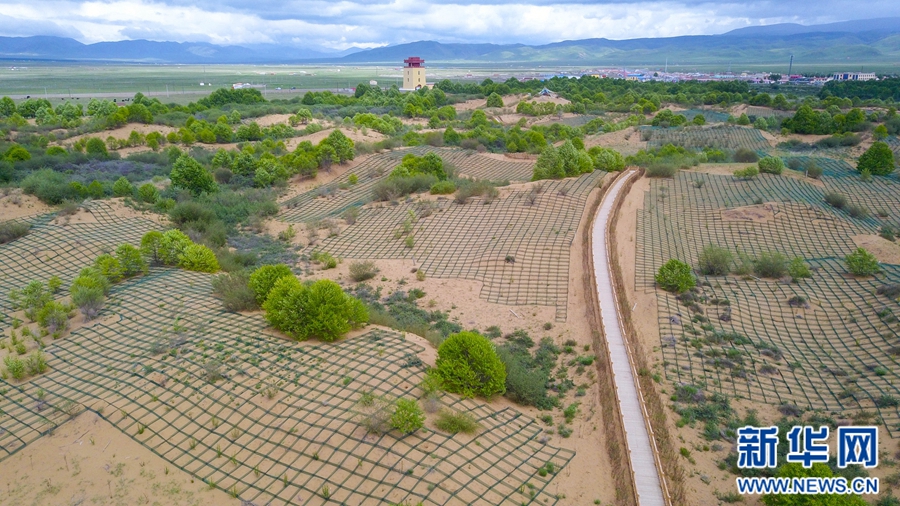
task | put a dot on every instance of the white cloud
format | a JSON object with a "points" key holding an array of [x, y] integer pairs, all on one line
{"points": [[372, 23]]}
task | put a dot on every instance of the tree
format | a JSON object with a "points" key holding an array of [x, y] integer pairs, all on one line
{"points": [[264, 278], [675, 276], [123, 187], [467, 364], [408, 417], [320, 309], [878, 159], [150, 246], [494, 100], [862, 263], [148, 193], [88, 292], [109, 267], [607, 159], [820, 470], [96, 147], [699, 120], [715, 261], [343, 146], [187, 173], [880, 133], [7, 107]]}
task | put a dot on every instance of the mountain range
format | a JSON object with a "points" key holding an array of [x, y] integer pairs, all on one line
{"points": [[862, 41]]}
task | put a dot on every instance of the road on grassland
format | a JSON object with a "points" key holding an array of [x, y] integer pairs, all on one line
{"points": [[640, 447]]}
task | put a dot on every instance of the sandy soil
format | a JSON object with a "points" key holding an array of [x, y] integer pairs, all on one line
{"points": [[88, 461], [353, 133], [123, 133], [756, 214], [627, 141], [17, 205], [509, 101], [885, 251]]}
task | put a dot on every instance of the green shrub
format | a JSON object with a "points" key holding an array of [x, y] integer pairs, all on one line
{"points": [[675, 276], [662, 169], [49, 186], [132, 261], [836, 200], [862, 263], [361, 271], [31, 298], [109, 267], [744, 155], [408, 416], [54, 317], [170, 246], [798, 270], [494, 100], [857, 211], [715, 261], [813, 170], [88, 292], [319, 310], [264, 278], [771, 165], [187, 173], [148, 193], [878, 159], [746, 173], [197, 257], [14, 366], [467, 364], [123, 187], [456, 421], [36, 363], [12, 230], [150, 246], [234, 291], [770, 264], [443, 188]]}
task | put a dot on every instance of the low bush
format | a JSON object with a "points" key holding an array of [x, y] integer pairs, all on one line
{"points": [[197, 257], [12, 230], [858, 211], [456, 421], [31, 298], [88, 292], [770, 264], [747, 173], [54, 317], [675, 276], [798, 270], [771, 165], [862, 263], [264, 278], [408, 416], [467, 364], [361, 271], [836, 200], [443, 188], [234, 291], [744, 155], [662, 169], [475, 189], [715, 261], [170, 246], [131, 260], [319, 309], [813, 170]]}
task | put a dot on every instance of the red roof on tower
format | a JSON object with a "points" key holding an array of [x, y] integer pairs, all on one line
{"points": [[414, 61]]}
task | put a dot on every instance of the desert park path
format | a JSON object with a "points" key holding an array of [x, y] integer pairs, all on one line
{"points": [[641, 450]]}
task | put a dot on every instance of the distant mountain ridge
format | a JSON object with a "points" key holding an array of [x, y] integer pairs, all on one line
{"points": [[865, 41]]}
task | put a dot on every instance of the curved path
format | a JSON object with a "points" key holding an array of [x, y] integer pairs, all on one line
{"points": [[640, 449]]}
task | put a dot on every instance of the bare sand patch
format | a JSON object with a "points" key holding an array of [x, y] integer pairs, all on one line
{"points": [[756, 214], [88, 461], [885, 251], [18, 205]]}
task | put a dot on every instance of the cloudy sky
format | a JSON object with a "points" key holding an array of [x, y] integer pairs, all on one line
{"points": [[340, 24]]}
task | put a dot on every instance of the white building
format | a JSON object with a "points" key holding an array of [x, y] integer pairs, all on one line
{"points": [[855, 76]]}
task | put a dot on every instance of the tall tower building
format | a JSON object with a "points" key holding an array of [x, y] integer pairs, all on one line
{"points": [[413, 73]]}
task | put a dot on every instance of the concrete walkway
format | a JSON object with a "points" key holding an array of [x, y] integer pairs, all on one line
{"points": [[640, 447]]}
